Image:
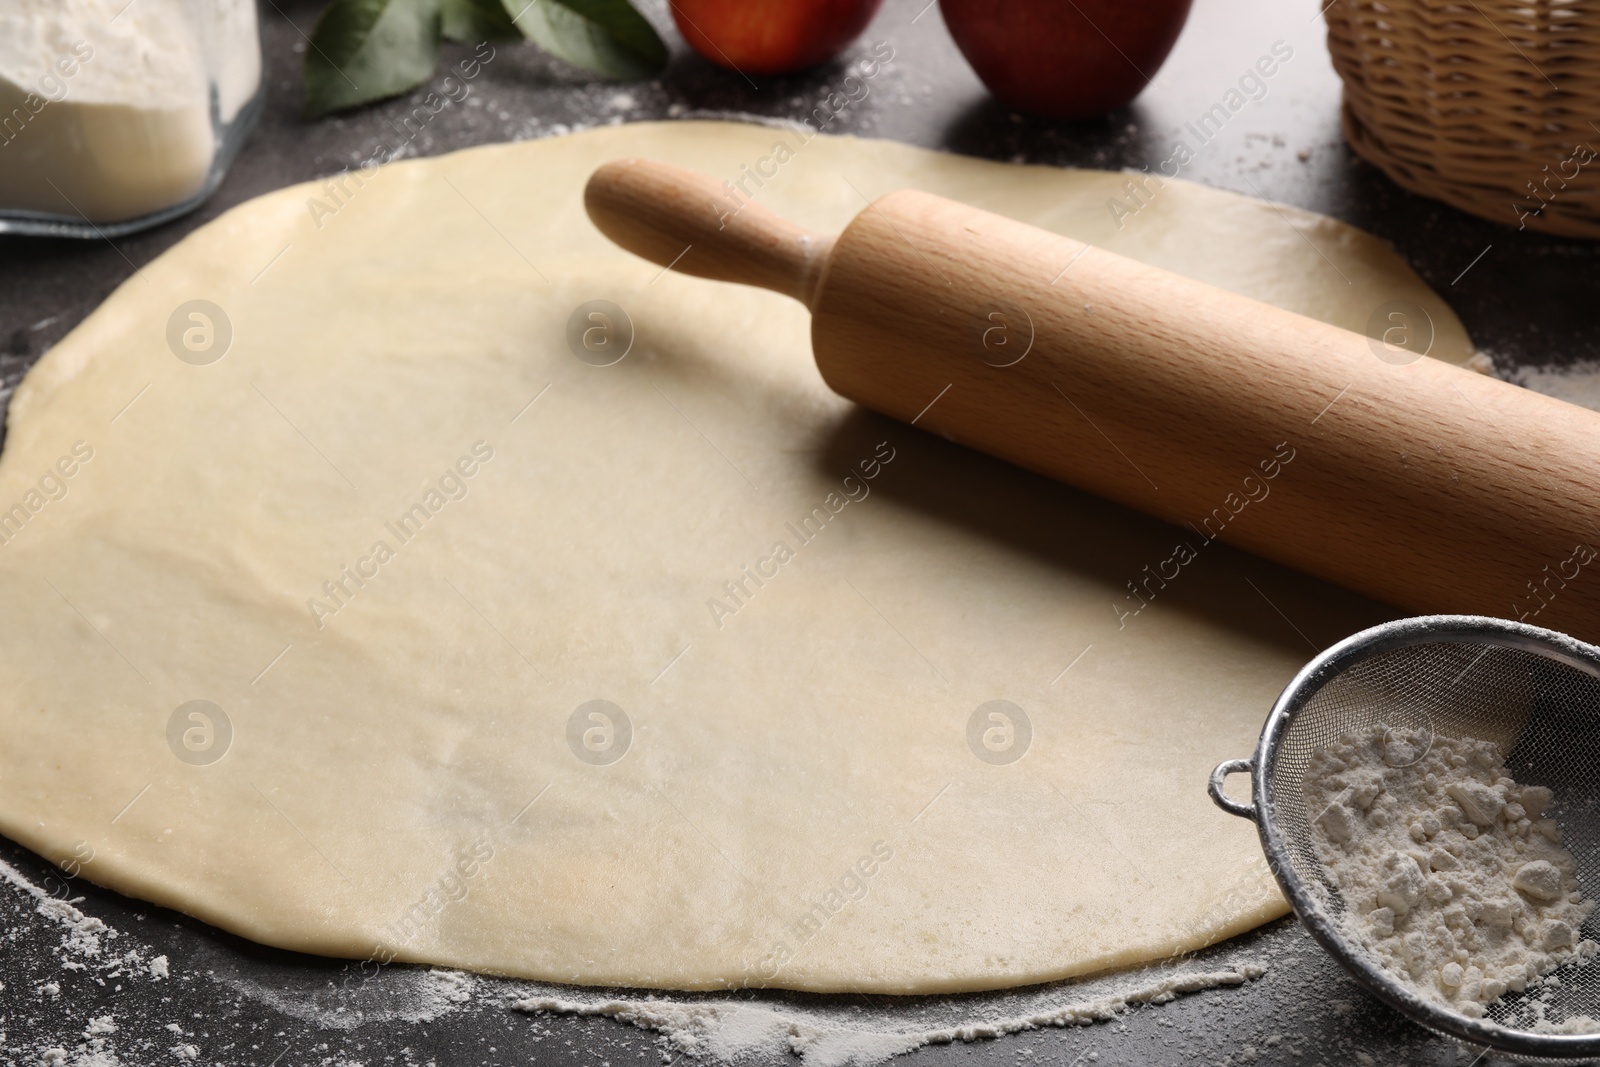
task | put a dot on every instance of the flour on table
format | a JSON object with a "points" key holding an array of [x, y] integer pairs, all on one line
{"points": [[89, 953], [412, 995], [722, 1029], [82, 934], [730, 1031], [1453, 876], [1578, 384]]}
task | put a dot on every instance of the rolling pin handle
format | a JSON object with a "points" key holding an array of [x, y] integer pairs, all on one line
{"points": [[694, 225], [1223, 800]]}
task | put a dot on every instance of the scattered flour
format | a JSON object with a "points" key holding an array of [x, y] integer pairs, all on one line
{"points": [[1577, 384], [1453, 878], [729, 1031], [92, 955], [95, 1051], [82, 934], [408, 994], [716, 1028]]}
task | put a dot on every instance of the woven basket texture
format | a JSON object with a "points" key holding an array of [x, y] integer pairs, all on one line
{"points": [[1491, 106]]}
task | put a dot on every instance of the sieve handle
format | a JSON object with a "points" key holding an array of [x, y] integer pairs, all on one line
{"points": [[1223, 800]]}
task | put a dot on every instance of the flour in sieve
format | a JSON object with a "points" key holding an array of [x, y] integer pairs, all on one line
{"points": [[1453, 877]]}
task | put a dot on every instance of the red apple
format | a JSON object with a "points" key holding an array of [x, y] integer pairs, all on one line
{"points": [[771, 36], [1065, 59]]}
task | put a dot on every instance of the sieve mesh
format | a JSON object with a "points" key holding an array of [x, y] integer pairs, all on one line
{"points": [[1533, 692]]}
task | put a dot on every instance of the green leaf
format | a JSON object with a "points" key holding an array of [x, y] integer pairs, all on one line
{"points": [[476, 20], [366, 50], [605, 36]]}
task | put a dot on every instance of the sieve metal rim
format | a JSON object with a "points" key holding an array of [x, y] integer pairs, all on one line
{"points": [[1423, 629]]}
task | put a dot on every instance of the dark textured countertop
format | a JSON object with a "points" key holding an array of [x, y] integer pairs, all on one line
{"points": [[234, 1003]]}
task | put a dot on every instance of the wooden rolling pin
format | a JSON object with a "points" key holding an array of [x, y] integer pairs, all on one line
{"points": [[1424, 485]]}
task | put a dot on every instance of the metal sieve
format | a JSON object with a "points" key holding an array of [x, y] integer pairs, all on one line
{"points": [[1534, 692]]}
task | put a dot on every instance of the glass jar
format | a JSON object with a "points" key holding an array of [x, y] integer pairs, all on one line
{"points": [[116, 115]]}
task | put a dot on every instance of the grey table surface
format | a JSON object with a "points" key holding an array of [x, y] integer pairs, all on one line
{"points": [[1522, 297]]}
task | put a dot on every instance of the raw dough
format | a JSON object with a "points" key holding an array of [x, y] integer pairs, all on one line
{"points": [[798, 804]]}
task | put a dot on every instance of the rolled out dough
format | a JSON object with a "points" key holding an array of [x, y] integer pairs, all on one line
{"points": [[812, 791]]}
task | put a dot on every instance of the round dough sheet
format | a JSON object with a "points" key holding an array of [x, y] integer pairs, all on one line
{"points": [[362, 601]]}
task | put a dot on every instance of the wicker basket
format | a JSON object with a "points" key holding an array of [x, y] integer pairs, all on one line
{"points": [[1492, 106]]}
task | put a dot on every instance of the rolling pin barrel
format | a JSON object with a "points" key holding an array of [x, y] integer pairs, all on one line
{"points": [[1424, 485]]}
